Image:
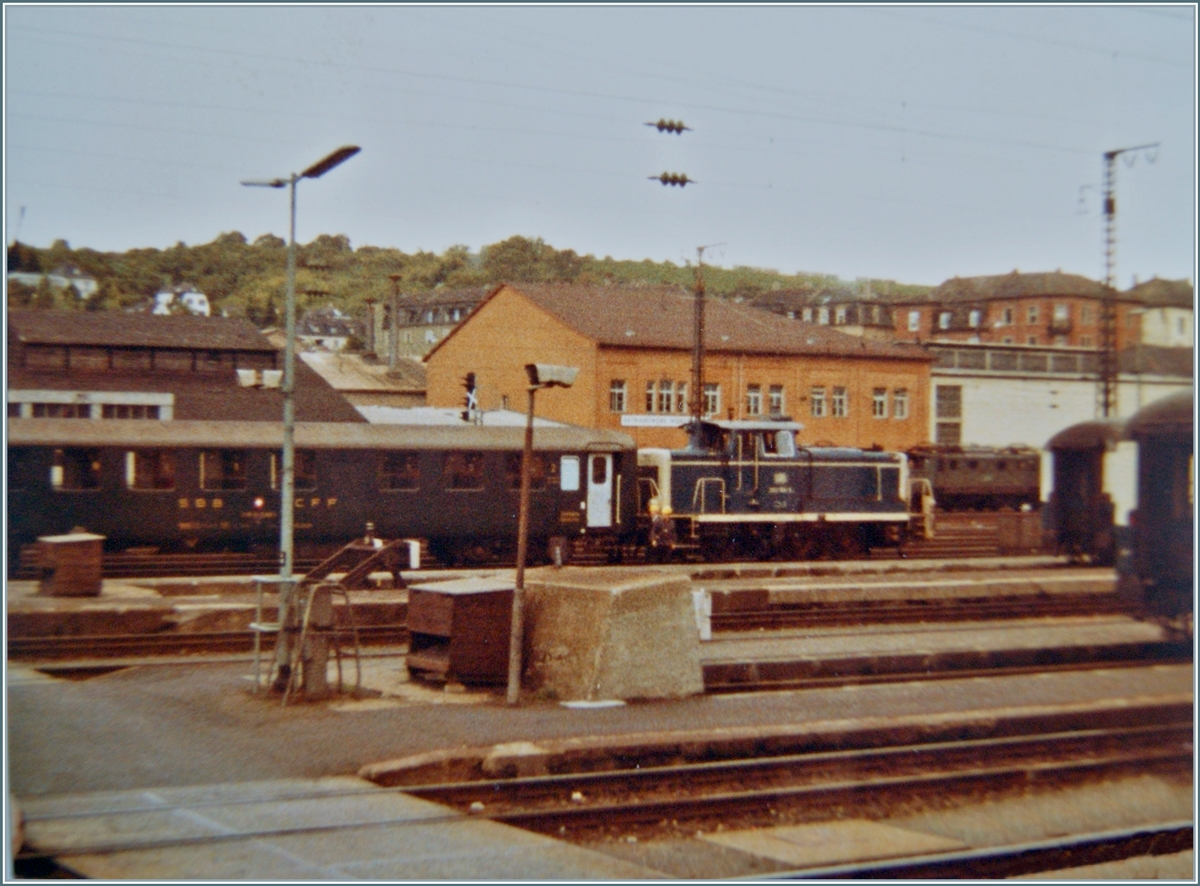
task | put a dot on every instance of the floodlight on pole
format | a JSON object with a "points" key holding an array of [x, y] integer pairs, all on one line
{"points": [[288, 480], [541, 375]]}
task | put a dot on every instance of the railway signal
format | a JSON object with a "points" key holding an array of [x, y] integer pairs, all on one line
{"points": [[470, 401]]}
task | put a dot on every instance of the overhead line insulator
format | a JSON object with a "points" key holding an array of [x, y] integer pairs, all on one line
{"points": [[674, 179], [675, 126]]}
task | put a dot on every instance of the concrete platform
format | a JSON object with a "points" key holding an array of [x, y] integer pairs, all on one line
{"points": [[905, 649], [338, 828]]}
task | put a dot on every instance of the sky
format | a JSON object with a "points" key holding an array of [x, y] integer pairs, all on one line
{"points": [[906, 142]]}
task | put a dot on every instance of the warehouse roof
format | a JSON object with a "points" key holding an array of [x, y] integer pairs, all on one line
{"points": [[118, 329]]}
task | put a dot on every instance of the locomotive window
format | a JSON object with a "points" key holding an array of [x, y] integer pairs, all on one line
{"points": [[973, 465], [954, 464], [569, 473], [1002, 465], [304, 470], [399, 471], [222, 469], [75, 469], [777, 444], [150, 469], [543, 471], [462, 470]]}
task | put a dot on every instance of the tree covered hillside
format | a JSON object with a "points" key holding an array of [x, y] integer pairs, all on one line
{"points": [[243, 278]]}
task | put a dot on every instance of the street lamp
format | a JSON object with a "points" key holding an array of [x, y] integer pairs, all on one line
{"points": [[288, 484], [541, 375]]}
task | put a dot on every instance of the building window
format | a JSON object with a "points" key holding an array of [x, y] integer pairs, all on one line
{"points": [[948, 409], [150, 469], [1007, 340], [839, 315], [1085, 314], [616, 395], [944, 320], [1031, 340], [879, 403], [1085, 341], [398, 471], [775, 400], [914, 321], [122, 410], [666, 396], [816, 402], [462, 470], [62, 410], [75, 469], [841, 403], [681, 396], [651, 392], [975, 318], [806, 315], [1031, 314], [1062, 313], [754, 400], [222, 469], [900, 403], [712, 399], [1007, 317], [823, 316]]}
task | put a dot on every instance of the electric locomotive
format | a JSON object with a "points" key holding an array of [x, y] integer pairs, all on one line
{"points": [[745, 489], [979, 477]]}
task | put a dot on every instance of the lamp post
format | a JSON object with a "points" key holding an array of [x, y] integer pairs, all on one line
{"points": [[288, 480], [541, 375]]}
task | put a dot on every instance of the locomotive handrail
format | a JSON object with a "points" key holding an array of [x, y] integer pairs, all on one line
{"points": [[700, 499]]}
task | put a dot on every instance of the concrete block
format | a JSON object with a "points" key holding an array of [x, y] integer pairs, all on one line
{"points": [[594, 634]]}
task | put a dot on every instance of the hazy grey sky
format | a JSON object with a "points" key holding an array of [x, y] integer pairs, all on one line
{"points": [[908, 142]]}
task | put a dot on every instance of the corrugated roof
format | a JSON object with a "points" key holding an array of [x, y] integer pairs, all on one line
{"points": [[83, 432], [662, 317], [118, 329], [349, 372]]}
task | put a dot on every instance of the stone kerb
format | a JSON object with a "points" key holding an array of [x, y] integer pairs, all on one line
{"points": [[598, 634]]}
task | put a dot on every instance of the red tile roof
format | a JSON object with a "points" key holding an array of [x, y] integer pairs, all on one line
{"points": [[114, 329], [662, 317]]}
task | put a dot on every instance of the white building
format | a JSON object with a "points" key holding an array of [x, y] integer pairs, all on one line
{"points": [[193, 301]]}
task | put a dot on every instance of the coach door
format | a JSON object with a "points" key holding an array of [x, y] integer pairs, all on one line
{"points": [[599, 491]]}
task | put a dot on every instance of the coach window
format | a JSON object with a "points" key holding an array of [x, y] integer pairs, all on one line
{"points": [[222, 469], [398, 471], [75, 469], [22, 464], [543, 471], [462, 470], [304, 470], [569, 473], [150, 469]]}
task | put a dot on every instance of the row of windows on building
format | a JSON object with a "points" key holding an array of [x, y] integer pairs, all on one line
{"points": [[666, 397], [225, 470], [1060, 318], [83, 410]]}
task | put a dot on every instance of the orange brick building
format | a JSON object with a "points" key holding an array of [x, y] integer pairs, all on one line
{"points": [[633, 348], [1018, 309]]}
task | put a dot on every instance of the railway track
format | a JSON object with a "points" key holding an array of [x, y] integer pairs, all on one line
{"points": [[105, 646], [959, 609], [673, 804], [959, 536]]}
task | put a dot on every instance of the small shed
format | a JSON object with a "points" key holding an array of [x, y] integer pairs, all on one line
{"points": [[70, 564]]}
